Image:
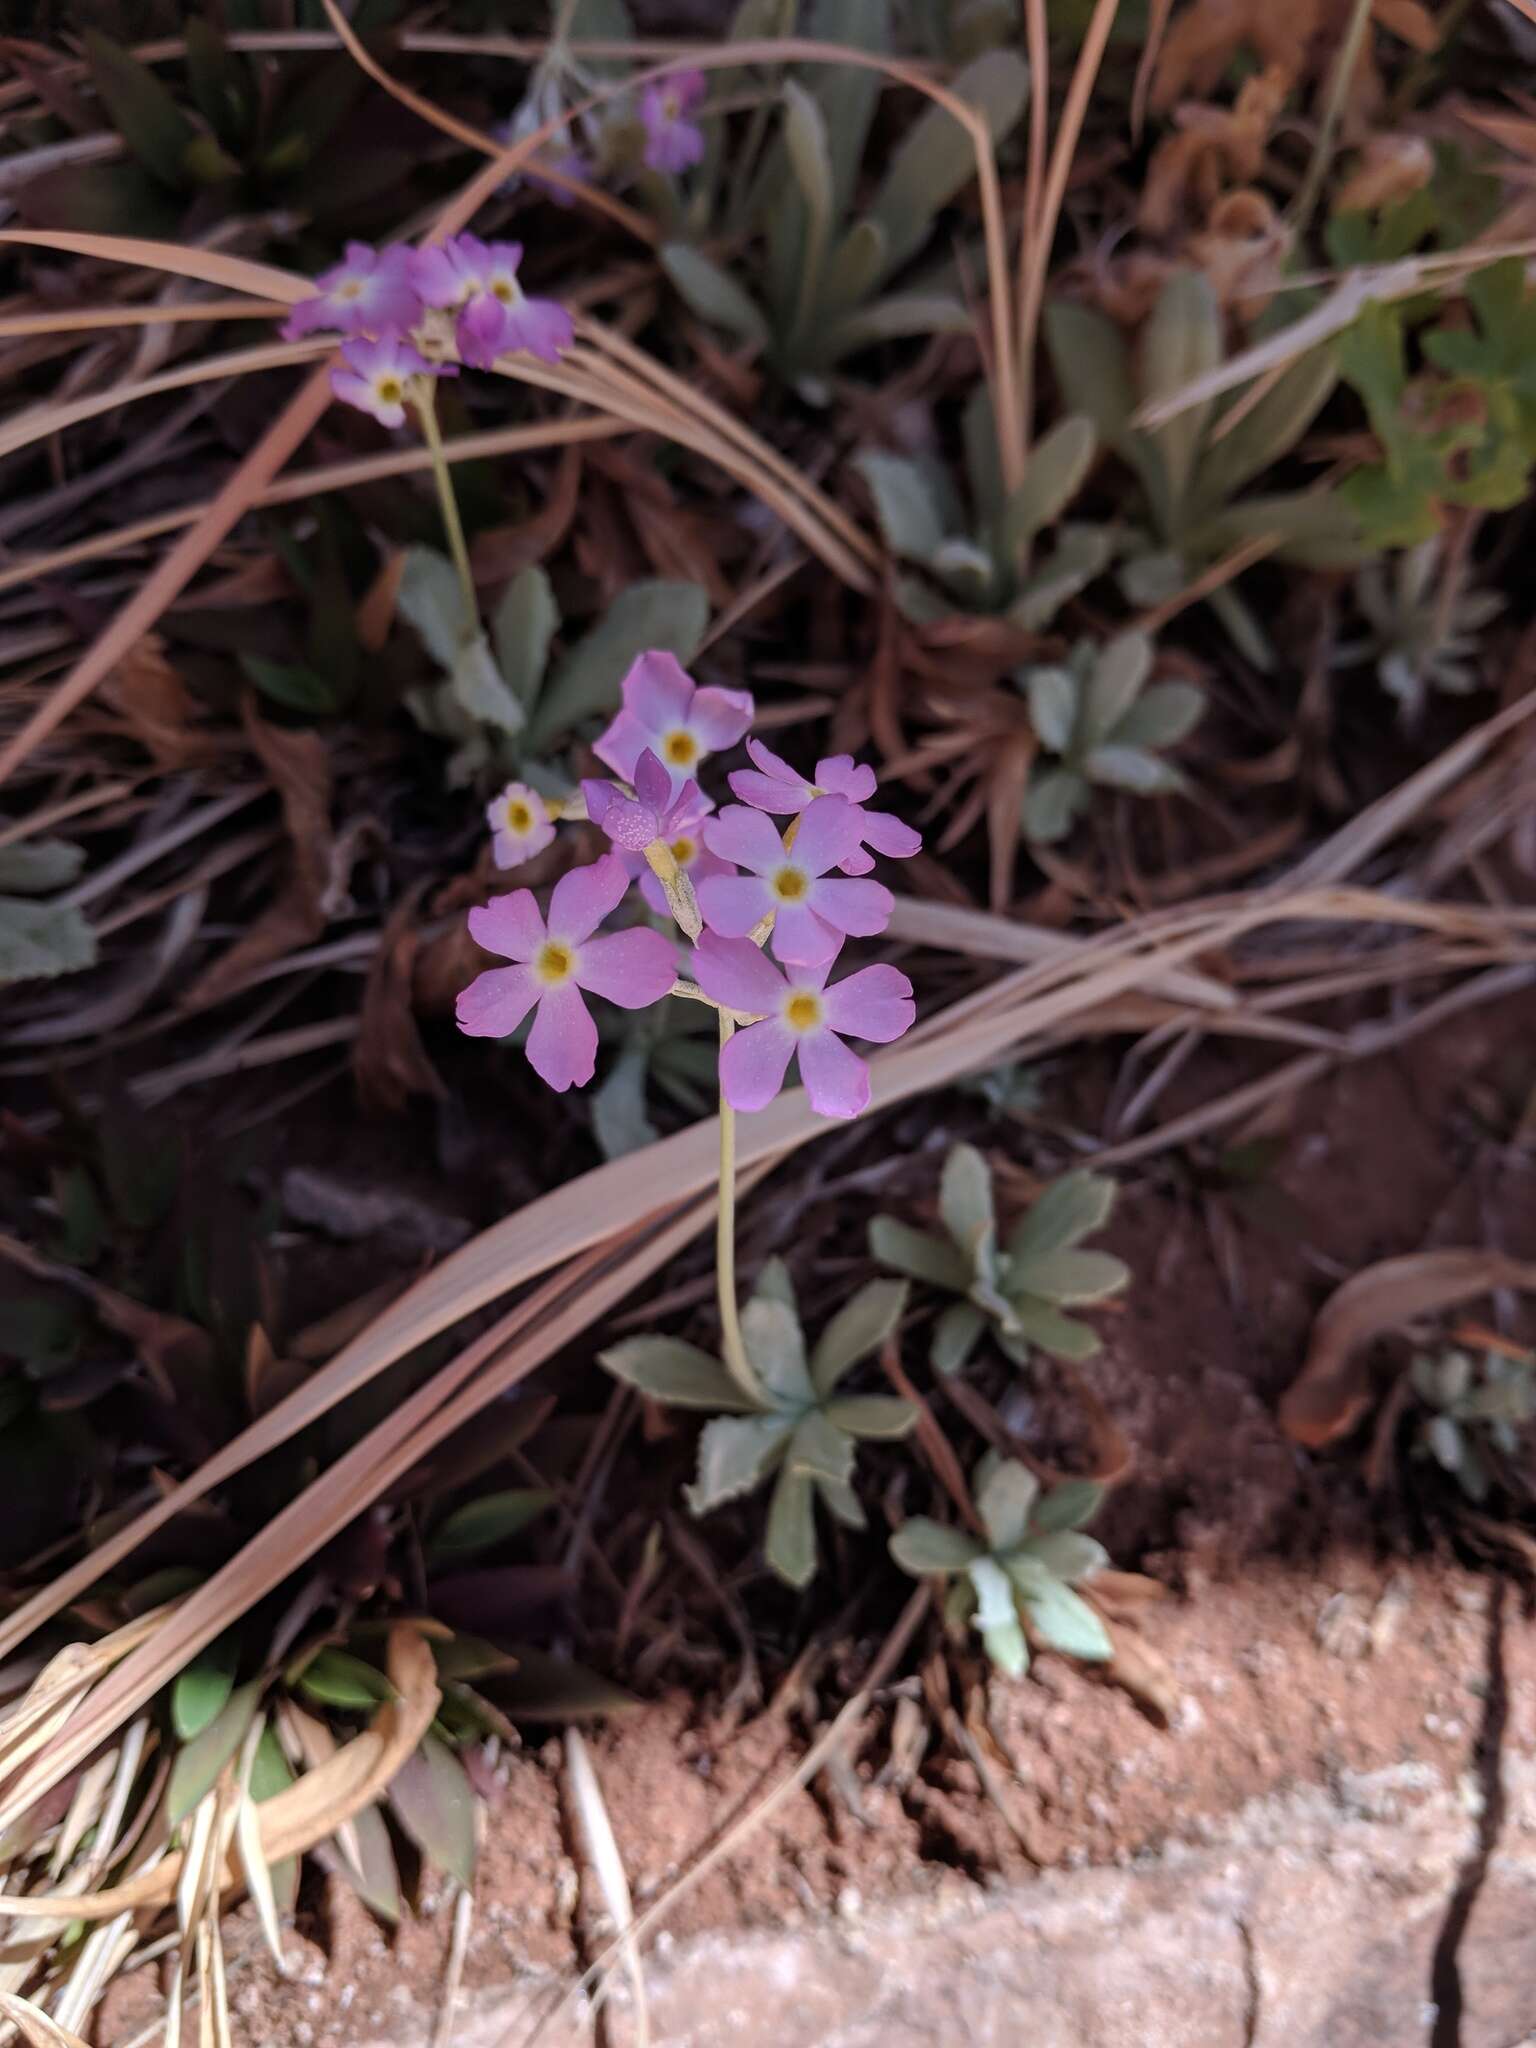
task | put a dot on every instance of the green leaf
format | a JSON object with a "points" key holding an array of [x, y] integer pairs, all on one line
{"points": [[649, 615], [842, 1503], [431, 598], [1051, 804], [775, 1284], [40, 940], [1052, 694], [936, 158], [1181, 341], [1119, 674], [526, 620], [1162, 716], [905, 505], [860, 1327], [1269, 430], [294, 685], [476, 686], [201, 1691], [1069, 1210], [1005, 1495], [1132, 769], [373, 1876], [821, 1450], [880, 1417], [954, 1336], [713, 293], [140, 109], [921, 1547], [1093, 368], [480, 1523], [848, 94], [892, 319], [735, 1456], [198, 1763], [1068, 1554], [789, 1542], [678, 1374], [1080, 553], [810, 160], [338, 1679], [1054, 476], [853, 268], [965, 1203], [434, 1802], [621, 1123], [775, 1345], [918, 1255], [1068, 1506], [219, 82], [31, 867], [1067, 1623], [550, 1688], [997, 1618], [1038, 1323]]}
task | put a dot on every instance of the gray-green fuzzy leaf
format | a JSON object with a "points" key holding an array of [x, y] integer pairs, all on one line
{"points": [[1068, 1506], [678, 1374], [1119, 674], [937, 157], [430, 597], [877, 1416], [1270, 429], [1066, 1212], [1068, 1554], [1068, 1623], [1005, 1495], [1133, 770], [526, 621], [29, 867], [775, 1345], [735, 1455], [1161, 716], [921, 1546], [789, 1541], [478, 688], [713, 293], [40, 940], [821, 1450], [893, 319], [1051, 804], [1080, 553], [1052, 694], [918, 1255], [1037, 1322], [860, 1326], [954, 1336], [1181, 341], [904, 503], [1093, 368], [434, 1802], [653, 614], [1055, 474], [965, 1201]]}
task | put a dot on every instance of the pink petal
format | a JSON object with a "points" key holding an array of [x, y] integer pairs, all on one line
{"points": [[510, 850], [801, 938], [562, 1046], [509, 925], [829, 831], [628, 968], [765, 793], [653, 783], [436, 276], [775, 765], [838, 775], [620, 746], [857, 863], [688, 811], [753, 1064], [307, 315], [720, 717], [860, 908], [874, 1003], [733, 904], [658, 692], [887, 834], [584, 897], [354, 390], [481, 331], [539, 326], [836, 1080], [735, 973], [746, 837], [496, 1002]]}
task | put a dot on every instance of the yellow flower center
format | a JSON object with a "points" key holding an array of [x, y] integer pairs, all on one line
{"points": [[683, 851], [791, 885], [505, 289], [519, 816], [350, 288], [803, 1011], [556, 963], [680, 748], [670, 107], [390, 390]]}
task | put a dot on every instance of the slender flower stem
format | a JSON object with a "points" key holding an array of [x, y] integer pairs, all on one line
{"points": [[733, 1345], [426, 412]]}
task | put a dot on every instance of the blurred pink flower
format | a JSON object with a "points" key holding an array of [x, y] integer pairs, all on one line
{"points": [[520, 825], [672, 143], [666, 712], [479, 280], [799, 1016], [811, 910], [378, 374], [555, 962], [775, 786], [368, 292]]}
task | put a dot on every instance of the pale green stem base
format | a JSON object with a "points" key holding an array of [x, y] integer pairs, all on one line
{"points": [[453, 526], [733, 1345]]}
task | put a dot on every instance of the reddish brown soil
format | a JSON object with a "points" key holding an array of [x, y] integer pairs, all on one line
{"points": [[1312, 1633]]}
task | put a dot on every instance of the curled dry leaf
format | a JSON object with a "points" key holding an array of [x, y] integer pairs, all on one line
{"points": [[159, 711], [34, 2025], [308, 1811], [1333, 1388], [389, 1059]]}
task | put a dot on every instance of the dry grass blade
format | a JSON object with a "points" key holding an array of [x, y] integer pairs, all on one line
{"points": [[293, 1820], [596, 1832], [34, 2024], [73, 319], [208, 266], [1333, 1388]]}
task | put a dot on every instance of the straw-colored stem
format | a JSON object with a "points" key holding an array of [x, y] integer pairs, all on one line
{"points": [[732, 1343], [1333, 114], [453, 525]]}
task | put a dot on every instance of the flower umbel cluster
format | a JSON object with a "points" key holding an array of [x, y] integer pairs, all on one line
{"points": [[407, 312], [733, 887]]}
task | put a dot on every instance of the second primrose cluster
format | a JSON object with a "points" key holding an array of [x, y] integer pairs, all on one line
{"points": [[731, 881]]}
